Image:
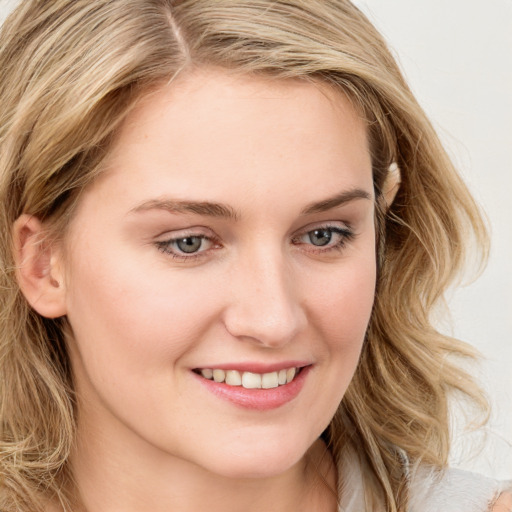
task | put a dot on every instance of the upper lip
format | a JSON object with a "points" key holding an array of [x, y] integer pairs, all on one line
{"points": [[257, 367]]}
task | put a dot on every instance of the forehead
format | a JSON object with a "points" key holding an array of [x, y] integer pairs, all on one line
{"points": [[211, 132]]}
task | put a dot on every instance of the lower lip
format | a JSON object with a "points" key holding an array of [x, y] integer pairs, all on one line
{"points": [[257, 399]]}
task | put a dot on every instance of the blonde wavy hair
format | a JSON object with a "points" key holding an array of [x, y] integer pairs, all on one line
{"points": [[73, 69]]}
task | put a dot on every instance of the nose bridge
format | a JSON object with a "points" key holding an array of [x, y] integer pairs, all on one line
{"points": [[265, 304]]}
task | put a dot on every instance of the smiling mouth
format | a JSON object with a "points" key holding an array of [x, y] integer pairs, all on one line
{"points": [[250, 380]]}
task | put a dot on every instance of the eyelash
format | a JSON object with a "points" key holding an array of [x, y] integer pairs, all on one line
{"points": [[345, 235], [165, 246]]}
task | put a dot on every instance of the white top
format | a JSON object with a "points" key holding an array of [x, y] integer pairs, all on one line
{"points": [[455, 491], [451, 491]]}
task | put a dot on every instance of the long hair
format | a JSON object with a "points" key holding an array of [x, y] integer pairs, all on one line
{"points": [[71, 71]]}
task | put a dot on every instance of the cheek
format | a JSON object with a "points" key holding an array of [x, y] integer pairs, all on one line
{"points": [[340, 310], [132, 317], [341, 307]]}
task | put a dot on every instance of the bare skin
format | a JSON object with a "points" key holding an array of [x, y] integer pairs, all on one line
{"points": [[504, 503], [311, 485]]}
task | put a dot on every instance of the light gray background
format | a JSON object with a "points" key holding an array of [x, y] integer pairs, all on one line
{"points": [[457, 56]]}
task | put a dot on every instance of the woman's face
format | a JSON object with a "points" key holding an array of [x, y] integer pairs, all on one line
{"points": [[232, 233]]}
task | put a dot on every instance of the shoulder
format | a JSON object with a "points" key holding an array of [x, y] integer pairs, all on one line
{"points": [[430, 490], [453, 490]]}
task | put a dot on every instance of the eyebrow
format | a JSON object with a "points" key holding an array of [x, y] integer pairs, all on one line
{"points": [[198, 207], [335, 201], [225, 211]]}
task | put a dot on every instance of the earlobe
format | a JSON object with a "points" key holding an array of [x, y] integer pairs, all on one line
{"points": [[38, 268], [391, 184]]}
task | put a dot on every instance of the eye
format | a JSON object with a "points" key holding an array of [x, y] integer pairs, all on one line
{"points": [[190, 244], [186, 247], [325, 238], [320, 237]]}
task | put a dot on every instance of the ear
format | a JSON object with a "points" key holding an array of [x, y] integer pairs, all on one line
{"points": [[39, 268], [391, 184]]}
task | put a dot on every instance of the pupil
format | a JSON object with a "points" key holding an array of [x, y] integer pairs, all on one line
{"points": [[189, 244], [320, 236]]}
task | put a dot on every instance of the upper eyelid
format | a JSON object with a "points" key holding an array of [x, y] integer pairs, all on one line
{"points": [[176, 234], [207, 233], [345, 226]]}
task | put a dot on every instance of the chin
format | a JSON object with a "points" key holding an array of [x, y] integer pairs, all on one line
{"points": [[258, 461]]}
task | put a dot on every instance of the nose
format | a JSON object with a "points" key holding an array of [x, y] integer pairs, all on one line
{"points": [[264, 304]]}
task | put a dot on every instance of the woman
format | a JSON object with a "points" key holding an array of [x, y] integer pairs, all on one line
{"points": [[225, 225]]}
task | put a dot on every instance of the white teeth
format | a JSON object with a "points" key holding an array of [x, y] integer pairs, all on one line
{"points": [[219, 375], [269, 380], [290, 374], [251, 380], [233, 378], [207, 374]]}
